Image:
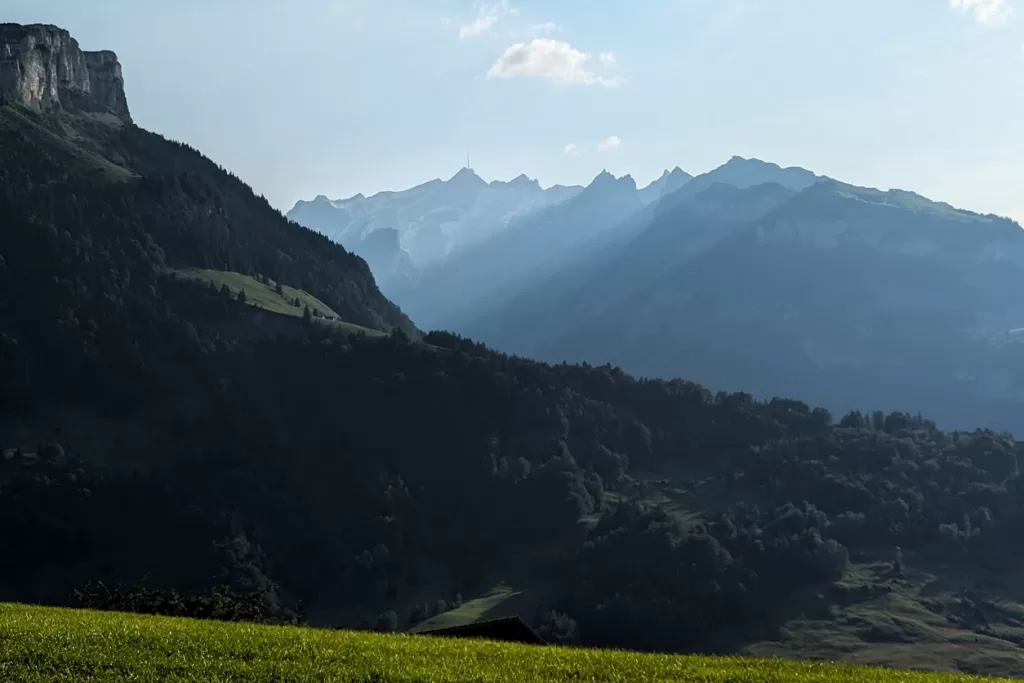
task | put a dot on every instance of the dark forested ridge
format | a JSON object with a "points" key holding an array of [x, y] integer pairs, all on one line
{"points": [[148, 435]]}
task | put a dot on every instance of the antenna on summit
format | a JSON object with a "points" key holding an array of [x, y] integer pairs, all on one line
{"points": [[468, 167]]}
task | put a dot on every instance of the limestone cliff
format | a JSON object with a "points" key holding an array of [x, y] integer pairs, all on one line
{"points": [[43, 68]]}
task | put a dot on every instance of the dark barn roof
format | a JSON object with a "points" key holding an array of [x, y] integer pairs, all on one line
{"points": [[509, 629]]}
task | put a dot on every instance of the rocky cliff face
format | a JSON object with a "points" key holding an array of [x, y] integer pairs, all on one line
{"points": [[42, 67]]}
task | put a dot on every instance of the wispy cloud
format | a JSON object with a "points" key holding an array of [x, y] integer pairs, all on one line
{"points": [[986, 12], [572, 150], [554, 60], [486, 18], [607, 58], [545, 29], [609, 143], [477, 26]]}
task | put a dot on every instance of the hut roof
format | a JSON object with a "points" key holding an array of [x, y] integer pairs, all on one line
{"points": [[508, 629]]}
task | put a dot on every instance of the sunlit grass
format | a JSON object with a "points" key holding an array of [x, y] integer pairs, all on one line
{"points": [[46, 644], [265, 296]]}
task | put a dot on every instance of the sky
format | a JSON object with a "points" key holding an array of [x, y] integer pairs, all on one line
{"points": [[336, 97]]}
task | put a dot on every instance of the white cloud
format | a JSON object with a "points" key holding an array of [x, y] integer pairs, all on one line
{"points": [[609, 143], [987, 12], [555, 60], [607, 58], [545, 29], [478, 26], [486, 18], [572, 150]]}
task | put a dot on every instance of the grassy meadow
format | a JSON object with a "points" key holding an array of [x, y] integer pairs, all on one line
{"points": [[46, 644], [265, 296]]}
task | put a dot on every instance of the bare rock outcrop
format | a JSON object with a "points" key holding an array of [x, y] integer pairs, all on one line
{"points": [[43, 68]]}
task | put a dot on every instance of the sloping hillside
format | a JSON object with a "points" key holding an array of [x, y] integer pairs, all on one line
{"points": [[44, 645], [195, 213]]}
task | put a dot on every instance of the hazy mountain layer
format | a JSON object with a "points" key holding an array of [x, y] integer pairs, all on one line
{"points": [[434, 219], [839, 295]]}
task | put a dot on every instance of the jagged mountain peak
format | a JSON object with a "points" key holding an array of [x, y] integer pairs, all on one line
{"points": [[660, 180], [737, 161], [435, 218], [740, 159], [605, 180], [667, 183], [743, 172], [672, 172], [520, 182], [467, 176]]}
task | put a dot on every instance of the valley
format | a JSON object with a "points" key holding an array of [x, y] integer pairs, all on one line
{"points": [[910, 307], [754, 412]]}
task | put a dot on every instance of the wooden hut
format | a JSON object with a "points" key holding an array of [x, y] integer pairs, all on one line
{"points": [[509, 629]]}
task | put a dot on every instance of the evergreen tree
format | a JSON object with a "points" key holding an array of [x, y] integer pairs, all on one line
{"points": [[387, 622]]}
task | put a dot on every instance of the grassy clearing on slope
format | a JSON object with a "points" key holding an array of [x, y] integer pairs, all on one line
{"points": [[266, 297], [45, 644]]}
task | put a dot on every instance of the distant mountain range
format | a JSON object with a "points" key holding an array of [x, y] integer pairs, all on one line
{"points": [[464, 240], [433, 220], [750, 277]]}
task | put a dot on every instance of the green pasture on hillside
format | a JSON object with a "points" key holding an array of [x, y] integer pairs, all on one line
{"points": [[45, 644]]}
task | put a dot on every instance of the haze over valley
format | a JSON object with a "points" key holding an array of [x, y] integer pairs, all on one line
{"points": [[750, 277]]}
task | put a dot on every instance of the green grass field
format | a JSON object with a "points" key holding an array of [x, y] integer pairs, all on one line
{"points": [[45, 644], [266, 297]]}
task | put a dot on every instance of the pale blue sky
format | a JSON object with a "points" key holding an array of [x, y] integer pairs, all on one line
{"points": [[335, 97]]}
